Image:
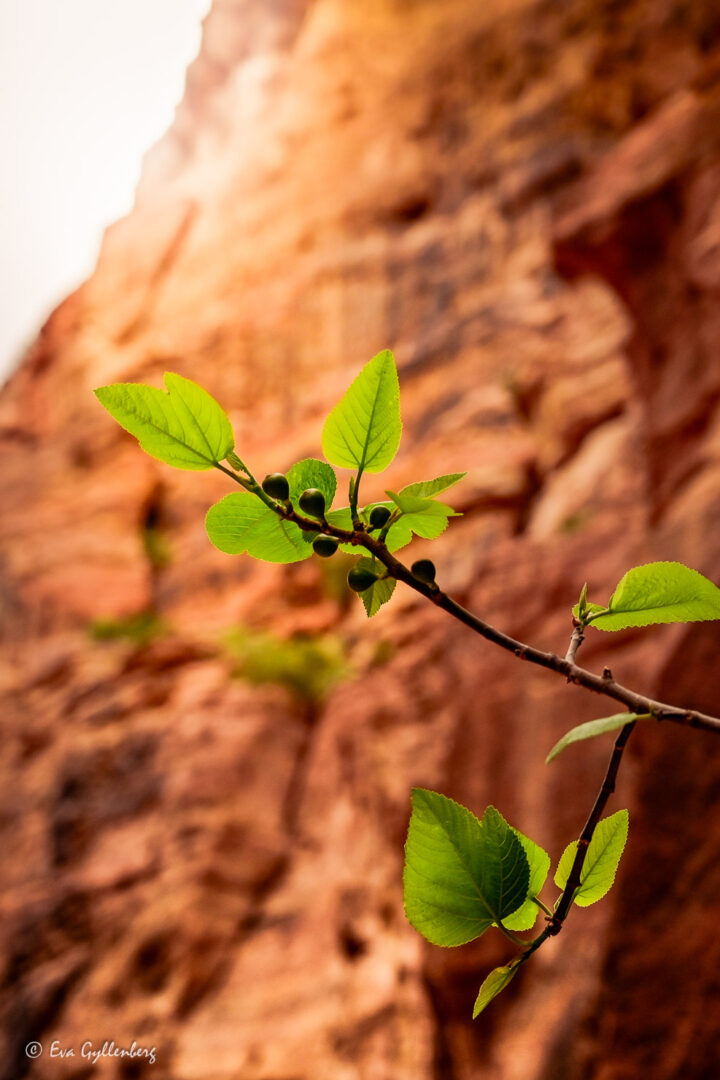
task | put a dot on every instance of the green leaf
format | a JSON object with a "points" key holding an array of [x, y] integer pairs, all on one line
{"points": [[421, 515], [235, 462], [496, 981], [539, 864], [659, 592], [411, 504], [379, 593], [592, 728], [461, 875], [428, 520], [425, 489], [242, 523], [311, 473], [184, 427], [428, 523], [601, 861], [363, 430], [414, 506]]}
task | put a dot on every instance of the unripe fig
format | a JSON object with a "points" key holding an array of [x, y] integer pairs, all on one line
{"points": [[424, 570], [276, 486], [312, 502], [325, 546], [360, 579], [379, 516]]}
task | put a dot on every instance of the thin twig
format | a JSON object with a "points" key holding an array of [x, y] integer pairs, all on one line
{"points": [[578, 636], [562, 909], [608, 786], [599, 684]]}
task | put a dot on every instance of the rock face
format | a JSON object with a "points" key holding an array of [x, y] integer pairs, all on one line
{"points": [[523, 201]]}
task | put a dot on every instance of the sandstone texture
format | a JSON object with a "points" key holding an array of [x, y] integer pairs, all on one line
{"points": [[522, 199]]}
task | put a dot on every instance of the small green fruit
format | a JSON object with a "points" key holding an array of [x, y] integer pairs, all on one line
{"points": [[276, 486], [379, 516], [424, 570], [325, 546], [360, 579], [312, 502]]}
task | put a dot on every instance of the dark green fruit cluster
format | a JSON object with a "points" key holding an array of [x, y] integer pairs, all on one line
{"points": [[360, 579], [424, 570], [312, 502], [276, 486], [325, 546], [379, 516]]}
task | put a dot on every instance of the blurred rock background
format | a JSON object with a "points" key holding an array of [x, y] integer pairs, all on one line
{"points": [[522, 199]]}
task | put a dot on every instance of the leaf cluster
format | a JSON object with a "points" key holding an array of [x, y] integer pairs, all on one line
{"points": [[464, 874], [185, 427]]}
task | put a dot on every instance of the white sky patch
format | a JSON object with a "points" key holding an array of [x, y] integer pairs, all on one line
{"points": [[86, 87]]}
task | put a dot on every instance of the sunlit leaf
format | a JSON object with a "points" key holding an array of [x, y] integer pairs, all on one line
{"points": [[363, 430], [425, 489], [184, 427], [410, 504], [592, 728], [659, 592], [539, 865], [496, 982], [311, 473], [601, 861], [380, 591], [461, 874], [242, 523]]}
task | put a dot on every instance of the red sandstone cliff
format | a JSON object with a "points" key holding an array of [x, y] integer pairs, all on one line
{"points": [[523, 201]]}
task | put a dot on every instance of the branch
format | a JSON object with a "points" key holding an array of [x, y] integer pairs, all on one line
{"points": [[562, 909], [578, 636], [603, 684], [608, 786]]}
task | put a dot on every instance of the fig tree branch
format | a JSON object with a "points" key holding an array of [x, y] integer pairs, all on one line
{"points": [[606, 790], [576, 641], [556, 920], [603, 684]]}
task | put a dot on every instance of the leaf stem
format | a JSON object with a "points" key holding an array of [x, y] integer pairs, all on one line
{"points": [[395, 516], [354, 494], [251, 484], [543, 907], [511, 935], [596, 615], [236, 463]]}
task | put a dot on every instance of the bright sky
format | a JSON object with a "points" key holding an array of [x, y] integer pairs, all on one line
{"points": [[86, 86]]}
